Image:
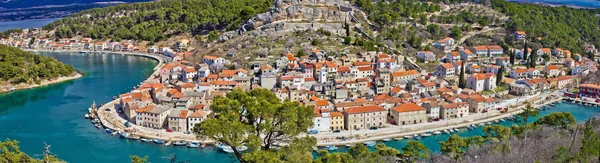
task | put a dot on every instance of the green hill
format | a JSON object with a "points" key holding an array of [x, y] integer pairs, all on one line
{"points": [[159, 20], [17, 66]]}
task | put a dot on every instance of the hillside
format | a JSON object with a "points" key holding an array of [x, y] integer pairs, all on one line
{"points": [[12, 4], [159, 20], [17, 67]]}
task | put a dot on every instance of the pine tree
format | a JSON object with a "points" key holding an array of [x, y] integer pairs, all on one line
{"points": [[592, 56], [499, 75], [347, 26], [525, 51], [461, 82]]}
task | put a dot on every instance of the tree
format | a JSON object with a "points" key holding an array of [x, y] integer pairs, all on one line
{"points": [[499, 75], [557, 119], [526, 51], [138, 159], [258, 119], [591, 56], [360, 153], [10, 152], [527, 112], [453, 146], [414, 150], [213, 35], [532, 61], [546, 57], [590, 145], [347, 26], [512, 57], [498, 132], [315, 42], [455, 32], [462, 83], [300, 53]]}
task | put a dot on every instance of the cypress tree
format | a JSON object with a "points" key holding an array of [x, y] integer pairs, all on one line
{"points": [[512, 57], [525, 51], [461, 81], [533, 58], [499, 75]]}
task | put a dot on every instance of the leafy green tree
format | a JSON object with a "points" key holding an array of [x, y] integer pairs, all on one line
{"points": [[315, 42], [414, 150], [497, 132], [10, 152], [385, 151], [17, 66], [325, 157], [455, 32], [258, 119], [527, 112], [213, 35], [546, 57], [475, 140], [138, 159], [360, 153], [454, 146], [557, 119]]}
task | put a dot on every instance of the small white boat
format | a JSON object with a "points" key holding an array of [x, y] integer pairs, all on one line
{"points": [[243, 148], [193, 144], [331, 148], [407, 137], [179, 143], [482, 124], [425, 135], [227, 149], [97, 125], [145, 140], [416, 137], [168, 143], [502, 120], [489, 123], [456, 130], [387, 139], [370, 143], [348, 145], [114, 133], [446, 131], [437, 132], [398, 138], [496, 121], [316, 149], [86, 116]]}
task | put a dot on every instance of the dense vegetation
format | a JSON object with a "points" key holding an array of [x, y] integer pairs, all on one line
{"points": [[10, 152], [563, 27], [385, 13], [17, 66], [12, 4], [159, 20]]}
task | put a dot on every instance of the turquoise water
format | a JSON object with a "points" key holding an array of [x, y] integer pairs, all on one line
{"points": [[581, 113], [54, 115], [580, 3], [35, 23]]}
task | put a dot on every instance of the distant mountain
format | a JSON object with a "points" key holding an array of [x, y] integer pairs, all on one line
{"points": [[13, 4]]}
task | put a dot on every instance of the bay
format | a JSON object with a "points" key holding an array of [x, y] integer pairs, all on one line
{"points": [[34, 23]]}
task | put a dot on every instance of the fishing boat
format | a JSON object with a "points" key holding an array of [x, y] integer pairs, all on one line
{"points": [[244, 148], [456, 130], [348, 145], [446, 131], [86, 116], [370, 143], [416, 137], [398, 138], [168, 143], [179, 143], [97, 125], [227, 149], [331, 148], [437, 132], [134, 137], [158, 141], [450, 130], [108, 130], [124, 134], [407, 137], [387, 139], [192, 144], [145, 140]]}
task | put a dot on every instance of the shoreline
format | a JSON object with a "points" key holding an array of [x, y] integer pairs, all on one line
{"points": [[61, 79]]}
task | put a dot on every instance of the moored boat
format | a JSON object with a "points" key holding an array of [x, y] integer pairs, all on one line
{"points": [[86, 116], [179, 143], [331, 148], [482, 124], [456, 130], [370, 143], [192, 144], [398, 138], [108, 130], [416, 137], [502, 120], [425, 134], [158, 141], [489, 123], [227, 149], [348, 145], [145, 140], [124, 134], [437, 132], [407, 137], [387, 139], [470, 127], [446, 131], [168, 143], [244, 148], [97, 125]]}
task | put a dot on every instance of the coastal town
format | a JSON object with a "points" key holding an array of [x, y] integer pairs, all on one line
{"points": [[363, 92]]}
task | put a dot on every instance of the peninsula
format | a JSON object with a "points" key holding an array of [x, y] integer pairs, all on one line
{"points": [[23, 70]]}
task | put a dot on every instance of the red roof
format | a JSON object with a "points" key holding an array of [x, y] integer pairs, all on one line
{"points": [[364, 109], [409, 107]]}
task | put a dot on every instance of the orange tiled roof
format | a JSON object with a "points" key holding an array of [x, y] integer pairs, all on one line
{"points": [[364, 109], [408, 107], [405, 73]]}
